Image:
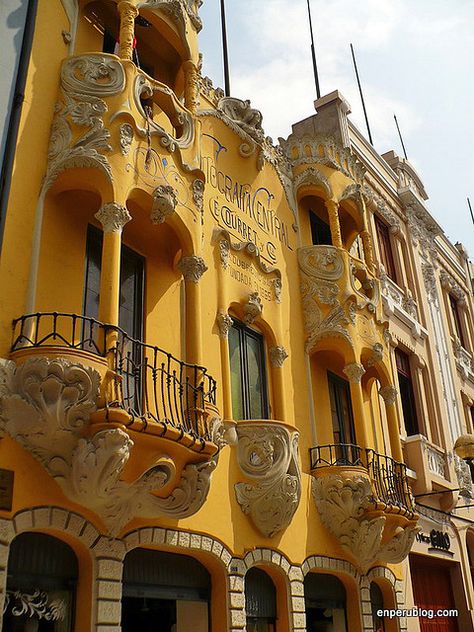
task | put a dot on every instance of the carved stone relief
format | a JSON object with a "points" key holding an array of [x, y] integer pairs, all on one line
{"points": [[113, 217], [164, 203], [126, 137], [84, 80], [277, 356], [343, 502], [252, 308], [45, 404], [224, 322], [268, 456], [192, 268]]}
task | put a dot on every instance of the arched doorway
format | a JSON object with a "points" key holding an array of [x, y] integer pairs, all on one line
{"points": [[260, 601], [325, 603], [164, 592], [41, 585], [376, 601]]}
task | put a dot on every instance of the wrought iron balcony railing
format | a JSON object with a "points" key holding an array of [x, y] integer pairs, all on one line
{"points": [[152, 385], [388, 477]]}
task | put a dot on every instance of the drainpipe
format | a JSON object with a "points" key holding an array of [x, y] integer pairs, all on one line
{"points": [[15, 114]]}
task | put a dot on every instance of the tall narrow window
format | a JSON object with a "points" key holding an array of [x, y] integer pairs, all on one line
{"points": [[131, 284], [320, 231], [407, 395], [342, 417], [385, 247], [458, 329], [248, 375]]}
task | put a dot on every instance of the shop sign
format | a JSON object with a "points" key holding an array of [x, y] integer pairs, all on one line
{"points": [[439, 540]]}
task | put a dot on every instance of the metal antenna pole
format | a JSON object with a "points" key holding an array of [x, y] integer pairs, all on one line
{"points": [[470, 208], [401, 139], [224, 51], [361, 95], [313, 54]]}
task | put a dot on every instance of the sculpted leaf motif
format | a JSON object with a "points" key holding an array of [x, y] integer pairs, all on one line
{"points": [[268, 455]]}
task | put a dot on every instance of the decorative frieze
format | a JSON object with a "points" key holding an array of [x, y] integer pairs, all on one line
{"points": [[113, 217], [164, 203], [267, 453], [192, 268]]}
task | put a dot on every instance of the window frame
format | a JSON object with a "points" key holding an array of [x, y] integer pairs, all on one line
{"points": [[245, 332], [406, 386], [386, 250], [457, 327], [339, 386]]}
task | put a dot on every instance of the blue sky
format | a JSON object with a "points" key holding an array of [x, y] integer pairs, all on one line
{"points": [[415, 58]]}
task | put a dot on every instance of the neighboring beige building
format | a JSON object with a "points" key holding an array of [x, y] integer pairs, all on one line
{"points": [[225, 365]]}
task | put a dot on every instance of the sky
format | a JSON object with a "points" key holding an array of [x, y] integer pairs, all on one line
{"points": [[415, 60]]}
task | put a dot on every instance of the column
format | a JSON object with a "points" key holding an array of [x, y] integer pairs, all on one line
{"points": [[368, 249], [192, 268], [278, 355], [128, 12], [333, 215], [191, 91], [354, 372], [113, 217], [389, 396], [224, 323]]}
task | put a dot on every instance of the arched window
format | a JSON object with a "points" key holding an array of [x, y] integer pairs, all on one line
{"points": [[166, 588], [325, 602], [41, 585], [376, 600], [260, 601]]}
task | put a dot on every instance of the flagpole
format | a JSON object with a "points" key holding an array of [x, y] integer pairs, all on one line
{"points": [[401, 139], [313, 54], [470, 208], [225, 52]]}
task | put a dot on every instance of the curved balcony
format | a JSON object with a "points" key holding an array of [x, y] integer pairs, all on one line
{"points": [[158, 393], [124, 427], [364, 499], [341, 297]]}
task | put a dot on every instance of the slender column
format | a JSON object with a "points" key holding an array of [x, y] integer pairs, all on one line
{"points": [[389, 395], [192, 269], [113, 218], [354, 372], [191, 92], [224, 322], [368, 249], [277, 356], [128, 12], [333, 215]]}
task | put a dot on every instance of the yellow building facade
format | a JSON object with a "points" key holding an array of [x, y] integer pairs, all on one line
{"points": [[226, 364]]}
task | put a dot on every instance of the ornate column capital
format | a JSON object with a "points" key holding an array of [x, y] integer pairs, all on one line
{"points": [[354, 372], [277, 356], [192, 268], [224, 322], [113, 217], [388, 394]]}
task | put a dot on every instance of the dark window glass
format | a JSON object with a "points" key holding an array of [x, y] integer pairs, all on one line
{"points": [[320, 231], [248, 378], [110, 42], [341, 410], [131, 284], [458, 330], [376, 600], [407, 395], [260, 601], [385, 247]]}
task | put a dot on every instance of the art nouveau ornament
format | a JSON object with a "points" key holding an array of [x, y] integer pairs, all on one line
{"points": [[252, 308], [164, 203], [45, 405], [192, 268], [267, 453]]}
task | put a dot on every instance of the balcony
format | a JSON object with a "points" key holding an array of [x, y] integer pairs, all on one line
{"points": [[341, 297], [103, 98], [124, 427], [398, 303], [364, 499]]}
